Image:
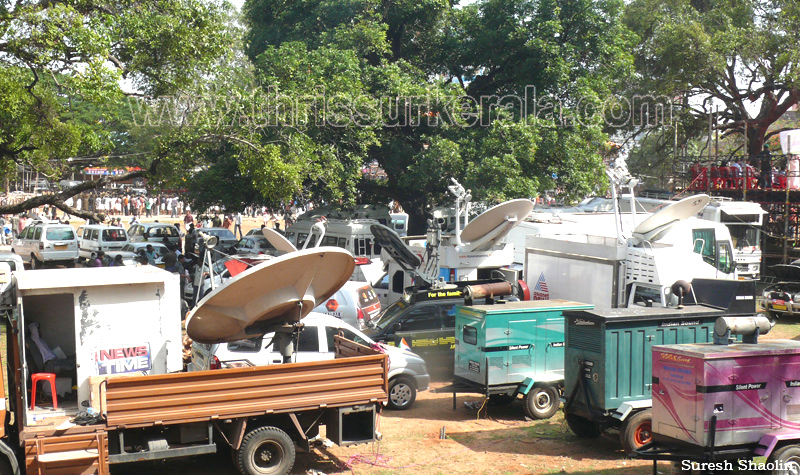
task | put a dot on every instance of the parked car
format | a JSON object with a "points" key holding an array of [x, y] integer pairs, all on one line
{"points": [[154, 232], [783, 298], [131, 250], [45, 242], [99, 237], [15, 264], [356, 303], [256, 244], [226, 238], [407, 371]]}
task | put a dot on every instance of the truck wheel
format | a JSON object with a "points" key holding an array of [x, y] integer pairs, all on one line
{"points": [[402, 393], [541, 403], [266, 451], [636, 431], [583, 427], [789, 458]]}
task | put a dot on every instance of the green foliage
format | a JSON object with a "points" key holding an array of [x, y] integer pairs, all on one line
{"points": [[61, 64], [741, 54], [401, 83]]}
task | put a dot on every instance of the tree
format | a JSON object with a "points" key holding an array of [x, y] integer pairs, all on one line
{"points": [[401, 82], [738, 55], [59, 58]]}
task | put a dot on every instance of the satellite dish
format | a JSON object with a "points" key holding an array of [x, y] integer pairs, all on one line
{"points": [[281, 291], [678, 211], [390, 242], [493, 225], [277, 240]]}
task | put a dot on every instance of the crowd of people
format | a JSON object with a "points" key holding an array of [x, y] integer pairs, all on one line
{"points": [[760, 172]]}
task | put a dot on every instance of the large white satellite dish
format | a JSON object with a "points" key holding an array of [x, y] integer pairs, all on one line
{"points": [[277, 240], [282, 290], [493, 225], [677, 211]]}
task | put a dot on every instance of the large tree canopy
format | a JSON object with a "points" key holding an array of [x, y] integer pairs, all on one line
{"points": [[62, 63], [432, 91], [739, 55]]}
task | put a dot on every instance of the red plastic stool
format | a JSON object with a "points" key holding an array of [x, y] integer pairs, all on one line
{"points": [[35, 378]]}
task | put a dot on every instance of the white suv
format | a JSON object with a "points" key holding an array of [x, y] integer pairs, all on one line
{"points": [[47, 242], [407, 371]]}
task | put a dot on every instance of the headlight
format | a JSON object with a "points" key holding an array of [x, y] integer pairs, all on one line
{"points": [[766, 293], [796, 298]]}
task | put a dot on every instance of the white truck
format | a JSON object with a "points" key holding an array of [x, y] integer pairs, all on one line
{"points": [[105, 345], [610, 273], [744, 220]]}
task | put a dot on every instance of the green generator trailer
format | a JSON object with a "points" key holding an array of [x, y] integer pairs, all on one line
{"points": [[608, 364], [511, 349]]}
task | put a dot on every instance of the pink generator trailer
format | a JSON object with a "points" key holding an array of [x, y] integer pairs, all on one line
{"points": [[718, 405]]}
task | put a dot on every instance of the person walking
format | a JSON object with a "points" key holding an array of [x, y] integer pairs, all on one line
{"points": [[238, 225]]}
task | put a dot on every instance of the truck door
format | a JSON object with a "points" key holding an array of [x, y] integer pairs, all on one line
{"points": [[525, 341], [554, 346], [788, 402], [752, 403], [420, 328]]}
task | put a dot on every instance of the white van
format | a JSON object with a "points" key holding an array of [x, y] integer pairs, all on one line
{"points": [[351, 234], [100, 237]]}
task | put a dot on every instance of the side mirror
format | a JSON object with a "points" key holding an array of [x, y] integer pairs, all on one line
{"points": [[397, 327]]}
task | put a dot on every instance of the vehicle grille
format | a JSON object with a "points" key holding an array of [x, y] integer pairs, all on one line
{"points": [[584, 338]]}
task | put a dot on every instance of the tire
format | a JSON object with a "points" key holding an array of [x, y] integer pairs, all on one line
{"points": [[266, 451], [36, 263], [541, 402], [636, 431], [583, 428], [789, 458], [69, 264], [402, 393], [501, 399]]}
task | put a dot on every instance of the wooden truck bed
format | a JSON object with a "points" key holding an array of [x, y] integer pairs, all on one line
{"points": [[357, 377], [243, 392]]}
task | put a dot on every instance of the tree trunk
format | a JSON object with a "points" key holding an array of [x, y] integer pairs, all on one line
{"points": [[755, 140]]}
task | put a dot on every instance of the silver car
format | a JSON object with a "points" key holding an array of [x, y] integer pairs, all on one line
{"points": [[45, 242], [407, 371]]}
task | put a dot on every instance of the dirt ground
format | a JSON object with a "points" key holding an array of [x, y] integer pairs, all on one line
{"points": [[494, 440], [499, 440]]}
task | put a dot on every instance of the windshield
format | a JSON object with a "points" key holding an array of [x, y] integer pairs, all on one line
{"points": [[391, 314], [221, 233], [59, 234], [117, 234], [745, 237]]}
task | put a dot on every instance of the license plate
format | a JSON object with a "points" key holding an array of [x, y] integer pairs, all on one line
{"points": [[61, 247], [779, 307]]}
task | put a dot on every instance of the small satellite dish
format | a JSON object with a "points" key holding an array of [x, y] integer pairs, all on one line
{"points": [[277, 240], [280, 291], [496, 222], [209, 241], [678, 211]]}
